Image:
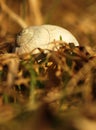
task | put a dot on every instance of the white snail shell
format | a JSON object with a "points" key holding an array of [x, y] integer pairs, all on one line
{"points": [[41, 37]]}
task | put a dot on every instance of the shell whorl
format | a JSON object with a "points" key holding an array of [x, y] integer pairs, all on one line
{"points": [[41, 37]]}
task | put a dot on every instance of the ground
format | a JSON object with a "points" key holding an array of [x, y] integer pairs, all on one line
{"points": [[55, 90]]}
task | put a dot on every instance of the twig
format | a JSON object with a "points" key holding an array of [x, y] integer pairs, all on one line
{"points": [[35, 9], [11, 14]]}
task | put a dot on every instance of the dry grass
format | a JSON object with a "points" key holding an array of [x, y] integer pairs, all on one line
{"points": [[48, 91], [62, 79]]}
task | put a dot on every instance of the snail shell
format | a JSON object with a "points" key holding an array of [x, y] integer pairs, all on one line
{"points": [[34, 37]]}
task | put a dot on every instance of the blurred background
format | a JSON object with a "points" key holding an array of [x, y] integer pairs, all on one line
{"points": [[79, 17]]}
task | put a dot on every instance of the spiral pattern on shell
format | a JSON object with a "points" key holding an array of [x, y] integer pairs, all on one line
{"points": [[34, 37]]}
